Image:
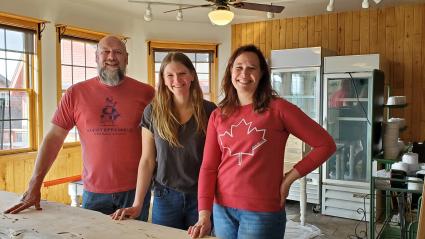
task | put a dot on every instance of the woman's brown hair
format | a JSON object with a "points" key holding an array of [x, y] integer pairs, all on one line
{"points": [[264, 92]]}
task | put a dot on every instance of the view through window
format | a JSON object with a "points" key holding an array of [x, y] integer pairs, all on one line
{"points": [[78, 63], [203, 65], [17, 53]]}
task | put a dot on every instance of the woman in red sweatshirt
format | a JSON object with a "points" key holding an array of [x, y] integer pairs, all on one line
{"points": [[242, 180]]}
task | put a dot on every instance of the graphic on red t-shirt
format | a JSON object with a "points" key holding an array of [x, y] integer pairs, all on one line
{"points": [[242, 135], [109, 112]]}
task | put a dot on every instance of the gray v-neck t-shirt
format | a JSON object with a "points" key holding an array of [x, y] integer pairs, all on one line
{"points": [[178, 167]]}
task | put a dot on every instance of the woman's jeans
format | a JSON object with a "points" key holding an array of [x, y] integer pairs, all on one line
{"points": [[174, 209], [232, 223], [108, 203]]}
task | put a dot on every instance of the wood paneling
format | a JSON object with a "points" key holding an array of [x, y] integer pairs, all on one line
{"points": [[16, 171], [396, 33]]}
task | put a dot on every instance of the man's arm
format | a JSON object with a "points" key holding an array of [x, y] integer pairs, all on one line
{"points": [[47, 153]]}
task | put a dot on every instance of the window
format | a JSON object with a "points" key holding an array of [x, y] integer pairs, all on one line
{"points": [[19, 48], [77, 61], [202, 55]]}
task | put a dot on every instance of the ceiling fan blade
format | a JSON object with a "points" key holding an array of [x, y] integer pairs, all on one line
{"points": [[258, 7], [160, 3], [189, 7]]}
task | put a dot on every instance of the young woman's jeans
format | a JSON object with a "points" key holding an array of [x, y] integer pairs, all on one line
{"points": [[108, 203], [232, 223], [174, 209]]}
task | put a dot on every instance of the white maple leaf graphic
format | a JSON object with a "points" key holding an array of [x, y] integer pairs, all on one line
{"points": [[241, 135]]}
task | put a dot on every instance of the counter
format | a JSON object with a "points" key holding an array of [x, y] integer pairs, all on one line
{"points": [[58, 221]]}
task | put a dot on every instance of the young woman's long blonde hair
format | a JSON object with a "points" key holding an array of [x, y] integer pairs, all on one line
{"points": [[163, 109]]}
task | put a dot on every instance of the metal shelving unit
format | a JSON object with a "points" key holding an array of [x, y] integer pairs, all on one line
{"points": [[402, 230]]}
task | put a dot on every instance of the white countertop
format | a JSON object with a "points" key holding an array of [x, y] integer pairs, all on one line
{"points": [[61, 221]]}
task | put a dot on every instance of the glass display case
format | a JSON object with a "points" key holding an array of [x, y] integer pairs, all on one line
{"points": [[352, 115], [349, 123], [296, 77], [300, 86]]}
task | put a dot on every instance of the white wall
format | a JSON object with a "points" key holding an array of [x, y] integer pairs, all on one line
{"points": [[104, 19]]}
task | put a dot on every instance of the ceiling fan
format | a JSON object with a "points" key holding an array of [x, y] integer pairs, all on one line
{"points": [[221, 14], [224, 4]]}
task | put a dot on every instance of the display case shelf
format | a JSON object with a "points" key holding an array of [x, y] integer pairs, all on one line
{"points": [[351, 119], [353, 99]]}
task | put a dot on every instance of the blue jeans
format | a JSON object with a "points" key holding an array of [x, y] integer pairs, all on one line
{"points": [[232, 223], [174, 209], [108, 203]]}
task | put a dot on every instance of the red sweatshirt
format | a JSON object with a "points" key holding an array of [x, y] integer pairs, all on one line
{"points": [[243, 155]]}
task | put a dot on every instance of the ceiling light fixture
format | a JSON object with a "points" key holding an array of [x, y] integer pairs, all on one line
{"points": [[365, 4], [148, 13], [377, 1], [270, 15], [179, 16], [330, 6], [221, 16]]}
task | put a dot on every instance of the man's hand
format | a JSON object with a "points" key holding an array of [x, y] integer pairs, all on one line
{"points": [[124, 213], [29, 199], [202, 227]]}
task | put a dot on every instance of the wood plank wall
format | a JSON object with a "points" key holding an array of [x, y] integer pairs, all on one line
{"points": [[16, 171], [397, 33]]}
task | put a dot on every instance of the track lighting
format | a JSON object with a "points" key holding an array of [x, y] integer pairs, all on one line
{"points": [[148, 13], [179, 16], [365, 4], [330, 6]]}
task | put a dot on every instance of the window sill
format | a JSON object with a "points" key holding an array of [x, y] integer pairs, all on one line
{"points": [[16, 151]]}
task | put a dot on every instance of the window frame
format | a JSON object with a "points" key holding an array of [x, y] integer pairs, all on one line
{"points": [[200, 47], [33, 83], [78, 33]]}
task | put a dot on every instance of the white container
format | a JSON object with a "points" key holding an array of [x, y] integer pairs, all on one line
{"points": [[396, 100], [400, 121], [411, 159], [414, 185], [400, 166], [390, 125]]}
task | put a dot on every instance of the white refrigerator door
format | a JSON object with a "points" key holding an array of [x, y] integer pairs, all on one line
{"points": [[347, 110]]}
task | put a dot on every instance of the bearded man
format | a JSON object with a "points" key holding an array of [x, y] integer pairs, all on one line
{"points": [[107, 110]]}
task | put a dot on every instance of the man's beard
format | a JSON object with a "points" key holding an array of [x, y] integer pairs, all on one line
{"points": [[111, 77]]}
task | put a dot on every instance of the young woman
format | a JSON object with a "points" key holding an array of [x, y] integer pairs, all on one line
{"points": [[173, 137], [241, 178]]}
